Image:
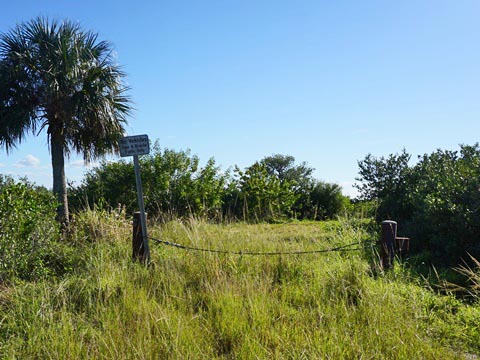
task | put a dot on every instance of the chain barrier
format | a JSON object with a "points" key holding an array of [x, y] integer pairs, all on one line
{"points": [[272, 253]]}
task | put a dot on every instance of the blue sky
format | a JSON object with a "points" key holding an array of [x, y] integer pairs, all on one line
{"points": [[325, 81]]}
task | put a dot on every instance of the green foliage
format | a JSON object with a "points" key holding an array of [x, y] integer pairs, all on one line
{"points": [[436, 201], [111, 182], [327, 200], [175, 185], [263, 196], [29, 247], [446, 201], [364, 209], [314, 199], [5, 180], [284, 167], [169, 180], [386, 180]]}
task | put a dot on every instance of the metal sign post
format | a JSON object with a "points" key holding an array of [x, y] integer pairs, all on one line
{"points": [[134, 146]]}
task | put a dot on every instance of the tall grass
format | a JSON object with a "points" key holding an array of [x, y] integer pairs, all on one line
{"points": [[200, 305]]}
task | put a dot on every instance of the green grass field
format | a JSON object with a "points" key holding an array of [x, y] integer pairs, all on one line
{"points": [[201, 305]]}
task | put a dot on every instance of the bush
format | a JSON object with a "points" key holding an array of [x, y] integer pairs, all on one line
{"points": [[29, 234], [436, 201], [174, 185], [263, 197], [328, 200]]}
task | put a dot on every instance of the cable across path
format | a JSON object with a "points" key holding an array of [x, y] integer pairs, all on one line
{"points": [[342, 248]]}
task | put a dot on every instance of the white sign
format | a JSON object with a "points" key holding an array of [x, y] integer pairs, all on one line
{"points": [[134, 145]]}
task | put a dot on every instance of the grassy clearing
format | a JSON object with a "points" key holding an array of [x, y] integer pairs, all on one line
{"points": [[193, 305]]}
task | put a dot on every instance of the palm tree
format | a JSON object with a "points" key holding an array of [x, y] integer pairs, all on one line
{"points": [[56, 77]]}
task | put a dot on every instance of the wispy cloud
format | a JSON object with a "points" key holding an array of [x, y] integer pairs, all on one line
{"points": [[81, 164], [28, 161], [2, 165]]}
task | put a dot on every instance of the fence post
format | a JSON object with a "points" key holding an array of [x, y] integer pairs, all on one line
{"points": [[139, 252], [387, 244]]}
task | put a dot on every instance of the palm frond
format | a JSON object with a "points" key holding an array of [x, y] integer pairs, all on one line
{"points": [[54, 75]]}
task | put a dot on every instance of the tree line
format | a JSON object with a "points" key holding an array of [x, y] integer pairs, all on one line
{"points": [[175, 185]]}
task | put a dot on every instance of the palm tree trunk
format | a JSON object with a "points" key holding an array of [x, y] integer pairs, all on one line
{"points": [[59, 181]]}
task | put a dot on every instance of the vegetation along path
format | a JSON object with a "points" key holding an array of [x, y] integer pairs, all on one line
{"points": [[203, 305]]}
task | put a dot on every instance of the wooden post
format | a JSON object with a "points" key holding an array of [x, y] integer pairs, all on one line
{"points": [[143, 216], [387, 244], [139, 252]]}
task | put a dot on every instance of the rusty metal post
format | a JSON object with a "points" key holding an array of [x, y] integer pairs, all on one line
{"points": [[387, 244], [139, 252]]}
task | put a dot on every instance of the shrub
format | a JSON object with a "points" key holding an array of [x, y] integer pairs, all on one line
{"points": [[29, 234], [264, 196], [327, 200], [173, 184], [436, 201]]}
